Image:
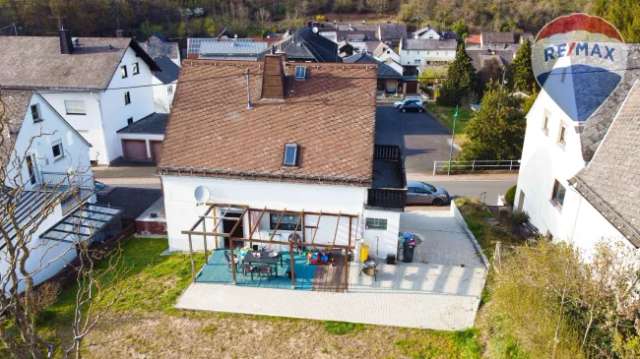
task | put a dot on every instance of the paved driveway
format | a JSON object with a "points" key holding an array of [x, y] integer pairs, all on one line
{"points": [[422, 138]]}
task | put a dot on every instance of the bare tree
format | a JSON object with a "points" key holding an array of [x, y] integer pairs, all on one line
{"points": [[25, 207]]}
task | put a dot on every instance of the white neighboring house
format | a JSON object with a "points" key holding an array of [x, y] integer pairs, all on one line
{"points": [[579, 182], [166, 54], [386, 53], [99, 85], [278, 149], [48, 160], [427, 33], [424, 52]]}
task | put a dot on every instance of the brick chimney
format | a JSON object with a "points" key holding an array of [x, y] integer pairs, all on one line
{"points": [[273, 77], [66, 44]]}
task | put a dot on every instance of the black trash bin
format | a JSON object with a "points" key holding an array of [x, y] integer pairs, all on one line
{"points": [[408, 246]]}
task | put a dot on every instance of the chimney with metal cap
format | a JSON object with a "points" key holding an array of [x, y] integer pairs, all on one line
{"points": [[66, 45]]}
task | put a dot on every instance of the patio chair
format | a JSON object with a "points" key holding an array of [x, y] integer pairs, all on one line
{"points": [[248, 268], [265, 271]]}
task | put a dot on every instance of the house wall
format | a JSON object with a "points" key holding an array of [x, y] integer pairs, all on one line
{"points": [[421, 57], [544, 160], [114, 111], [38, 138], [182, 211], [47, 258], [105, 110], [163, 95], [382, 242]]}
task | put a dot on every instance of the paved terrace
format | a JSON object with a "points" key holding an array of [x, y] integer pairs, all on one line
{"points": [[440, 290]]}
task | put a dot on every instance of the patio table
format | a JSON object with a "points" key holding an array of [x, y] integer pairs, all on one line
{"points": [[264, 259]]}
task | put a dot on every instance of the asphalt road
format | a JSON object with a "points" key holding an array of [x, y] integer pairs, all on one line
{"points": [[422, 138]]}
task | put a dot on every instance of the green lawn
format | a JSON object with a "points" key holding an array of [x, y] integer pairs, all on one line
{"points": [[445, 116], [143, 322]]}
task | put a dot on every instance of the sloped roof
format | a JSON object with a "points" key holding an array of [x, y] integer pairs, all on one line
{"points": [[330, 115], [507, 37], [480, 57], [306, 45], [611, 180], [429, 44], [35, 62], [156, 46], [154, 123], [384, 71]]}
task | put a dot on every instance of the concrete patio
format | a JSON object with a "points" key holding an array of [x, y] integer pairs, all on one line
{"points": [[440, 290]]}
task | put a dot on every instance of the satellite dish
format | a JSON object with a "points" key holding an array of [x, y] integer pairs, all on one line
{"points": [[315, 29], [201, 194]]}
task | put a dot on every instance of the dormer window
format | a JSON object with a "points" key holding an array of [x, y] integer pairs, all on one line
{"points": [[35, 113], [290, 157], [123, 71], [301, 73]]}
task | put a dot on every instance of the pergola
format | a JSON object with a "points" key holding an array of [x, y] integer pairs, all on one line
{"points": [[244, 210]]}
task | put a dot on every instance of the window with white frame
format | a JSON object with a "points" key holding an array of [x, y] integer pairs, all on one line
{"points": [[75, 107], [57, 150], [123, 71], [301, 72], [127, 98], [376, 223], [35, 113], [136, 68]]}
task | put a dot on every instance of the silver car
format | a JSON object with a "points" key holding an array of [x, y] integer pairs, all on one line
{"points": [[424, 193]]}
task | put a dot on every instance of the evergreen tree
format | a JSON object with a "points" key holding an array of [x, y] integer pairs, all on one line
{"points": [[623, 14], [461, 83], [496, 131], [522, 78]]}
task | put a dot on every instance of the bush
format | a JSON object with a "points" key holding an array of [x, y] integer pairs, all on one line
{"points": [[510, 196], [341, 328], [519, 217]]}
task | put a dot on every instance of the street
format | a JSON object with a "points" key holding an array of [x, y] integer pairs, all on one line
{"points": [[424, 140]]}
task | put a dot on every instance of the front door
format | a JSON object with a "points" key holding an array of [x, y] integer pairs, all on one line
{"points": [[228, 223], [31, 169]]}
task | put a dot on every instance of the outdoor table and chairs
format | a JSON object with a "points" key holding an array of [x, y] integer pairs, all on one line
{"points": [[262, 262]]}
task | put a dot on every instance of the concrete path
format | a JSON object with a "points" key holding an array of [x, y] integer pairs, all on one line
{"points": [[428, 311], [441, 290]]}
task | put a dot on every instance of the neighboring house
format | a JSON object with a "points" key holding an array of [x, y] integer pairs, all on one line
{"points": [[492, 40], [292, 140], [385, 52], [389, 33], [427, 33], [490, 63], [47, 169], [425, 52], [579, 181], [99, 85], [307, 45], [225, 49], [167, 56], [389, 77]]}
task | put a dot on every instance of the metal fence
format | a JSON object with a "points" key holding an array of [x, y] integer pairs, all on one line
{"points": [[67, 180], [450, 167]]}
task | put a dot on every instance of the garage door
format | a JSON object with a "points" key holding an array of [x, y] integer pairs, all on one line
{"points": [[156, 150], [134, 150]]}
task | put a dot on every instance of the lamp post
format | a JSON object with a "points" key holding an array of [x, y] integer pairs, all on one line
{"points": [[453, 135]]}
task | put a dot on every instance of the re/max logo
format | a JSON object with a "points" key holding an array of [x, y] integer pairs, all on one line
{"points": [[577, 49]]}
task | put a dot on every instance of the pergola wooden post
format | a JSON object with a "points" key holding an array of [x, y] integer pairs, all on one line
{"points": [[292, 265], [193, 264], [347, 253]]}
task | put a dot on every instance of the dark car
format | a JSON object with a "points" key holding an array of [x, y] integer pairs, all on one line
{"points": [[410, 105], [424, 193]]}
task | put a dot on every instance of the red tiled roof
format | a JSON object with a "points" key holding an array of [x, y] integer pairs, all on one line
{"points": [[330, 115]]}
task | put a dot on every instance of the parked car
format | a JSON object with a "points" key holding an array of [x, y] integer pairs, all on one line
{"points": [[424, 193], [410, 105]]}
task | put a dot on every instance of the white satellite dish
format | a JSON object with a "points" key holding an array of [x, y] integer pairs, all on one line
{"points": [[201, 194], [315, 29]]}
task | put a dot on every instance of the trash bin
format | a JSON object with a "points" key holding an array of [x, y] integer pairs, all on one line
{"points": [[408, 247]]}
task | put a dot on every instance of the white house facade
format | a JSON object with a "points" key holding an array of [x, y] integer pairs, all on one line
{"points": [[99, 85], [423, 52], [166, 55], [560, 184], [48, 159], [279, 170]]}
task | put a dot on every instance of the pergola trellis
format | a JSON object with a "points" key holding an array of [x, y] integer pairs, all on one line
{"points": [[244, 210]]}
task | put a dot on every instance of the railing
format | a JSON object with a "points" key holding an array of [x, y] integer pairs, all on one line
{"points": [[387, 198], [449, 167], [65, 180]]}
